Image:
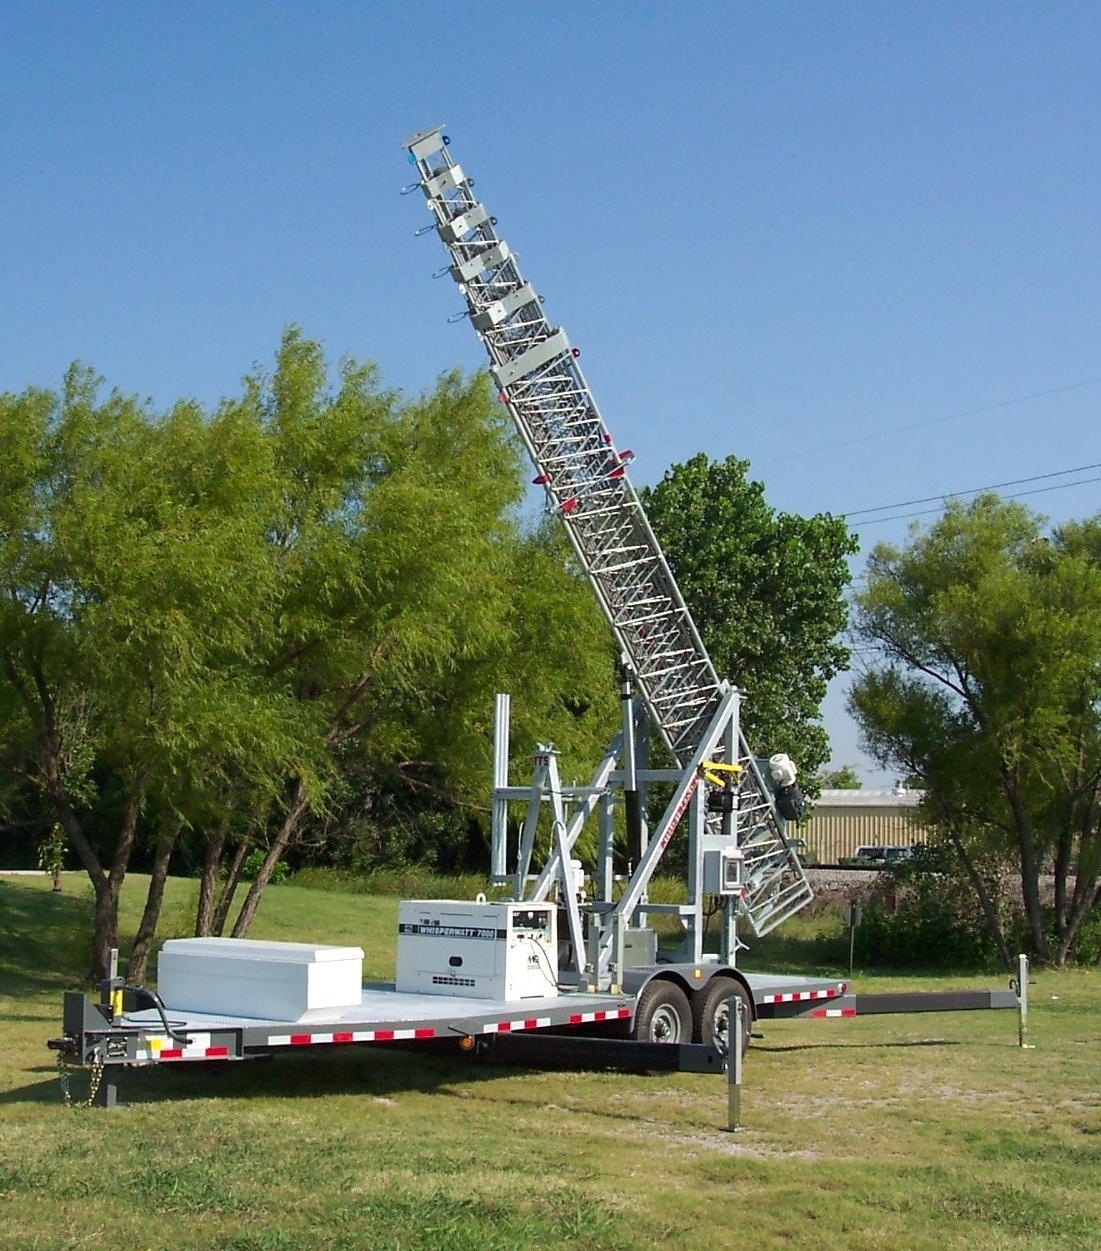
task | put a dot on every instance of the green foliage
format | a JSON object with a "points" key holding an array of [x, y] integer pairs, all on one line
{"points": [[409, 881], [922, 916], [51, 851], [271, 621], [1087, 946], [255, 859], [766, 591], [989, 692], [844, 779]]}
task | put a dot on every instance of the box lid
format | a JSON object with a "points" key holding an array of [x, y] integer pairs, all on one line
{"points": [[260, 949]]}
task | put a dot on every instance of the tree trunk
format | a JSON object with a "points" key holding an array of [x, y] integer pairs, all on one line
{"points": [[989, 910], [107, 886], [139, 956], [204, 913], [297, 810], [105, 934], [229, 888], [1083, 900], [105, 926], [1030, 871]]}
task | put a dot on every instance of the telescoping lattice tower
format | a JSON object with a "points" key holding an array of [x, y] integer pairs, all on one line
{"points": [[538, 378]]}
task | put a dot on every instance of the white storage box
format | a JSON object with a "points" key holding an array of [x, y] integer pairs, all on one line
{"points": [[477, 950], [273, 981]]}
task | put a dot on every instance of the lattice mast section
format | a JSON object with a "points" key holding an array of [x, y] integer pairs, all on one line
{"points": [[539, 379]]}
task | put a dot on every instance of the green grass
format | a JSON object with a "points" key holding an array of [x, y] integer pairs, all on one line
{"points": [[910, 1132]]}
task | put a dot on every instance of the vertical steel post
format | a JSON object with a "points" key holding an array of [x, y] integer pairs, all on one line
{"points": [[111, 999], [498, 855], [855, 916], [619, 950], [1022, 1002], [731, 829], [108, 1094], [734, 1031], [697, 825]]}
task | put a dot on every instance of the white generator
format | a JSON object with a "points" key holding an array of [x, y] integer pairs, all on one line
{"points": [[477, 950]]}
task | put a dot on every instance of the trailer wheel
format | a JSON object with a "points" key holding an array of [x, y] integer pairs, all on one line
{"points": [[711, 1014], [663, 1014]]}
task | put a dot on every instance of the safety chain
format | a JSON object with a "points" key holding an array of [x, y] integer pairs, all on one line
{"points": [[93, 1086]]}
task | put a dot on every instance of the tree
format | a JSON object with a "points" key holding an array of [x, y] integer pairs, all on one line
{"points": [[844, 779], [989, 691], [134, 571], [230, 628], [405, 584], [553, 652], [766, 591]]}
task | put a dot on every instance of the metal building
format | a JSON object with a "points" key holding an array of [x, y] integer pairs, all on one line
{"points": [[843, 820]]}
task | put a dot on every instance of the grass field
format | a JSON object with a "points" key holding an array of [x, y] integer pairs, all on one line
{"points": [[909, 1132]]}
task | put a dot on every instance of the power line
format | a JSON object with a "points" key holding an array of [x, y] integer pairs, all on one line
{"points": [[932, 421], [996, 486], [1058, 486]]}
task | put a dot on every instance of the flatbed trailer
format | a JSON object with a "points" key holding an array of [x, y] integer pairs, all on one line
{"points": [[131, 1028], [574, 1030]]}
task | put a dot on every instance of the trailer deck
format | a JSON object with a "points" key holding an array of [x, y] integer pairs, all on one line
{"points": [[383, 1015], [114, 1034]]}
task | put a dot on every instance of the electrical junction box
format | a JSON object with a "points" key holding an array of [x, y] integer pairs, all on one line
{"points": [[268, 980], [640, 948], [722, 871], [478, 950]]}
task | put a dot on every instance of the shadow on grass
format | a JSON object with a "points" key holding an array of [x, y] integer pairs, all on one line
{"points": [[369, 1071], [859, 1046], [46, 940]]}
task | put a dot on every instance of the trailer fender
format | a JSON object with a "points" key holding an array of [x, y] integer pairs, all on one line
{"points": [[691, 978]]}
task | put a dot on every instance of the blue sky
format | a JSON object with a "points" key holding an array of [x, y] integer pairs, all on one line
{"points": [[856, 244]]}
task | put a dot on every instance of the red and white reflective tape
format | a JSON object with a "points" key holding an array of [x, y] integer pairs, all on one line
{"points": [[820, 1012], [798, 996], [349, 1036], [198, 1048], [615, 1014], [510, 1027]]}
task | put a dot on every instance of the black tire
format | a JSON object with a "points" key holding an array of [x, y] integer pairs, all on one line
{"points": [[710, 1013], [663, 1014]]}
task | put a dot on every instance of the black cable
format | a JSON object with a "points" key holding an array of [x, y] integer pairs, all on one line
{"points": [[158, 1003], [925, 512], [996, 486], [932, 421]]}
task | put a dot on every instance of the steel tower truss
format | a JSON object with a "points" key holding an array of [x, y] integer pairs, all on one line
{"points": [[538, 378]]}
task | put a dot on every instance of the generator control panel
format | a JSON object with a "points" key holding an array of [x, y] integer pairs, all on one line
{"points": [[479, 950]]}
